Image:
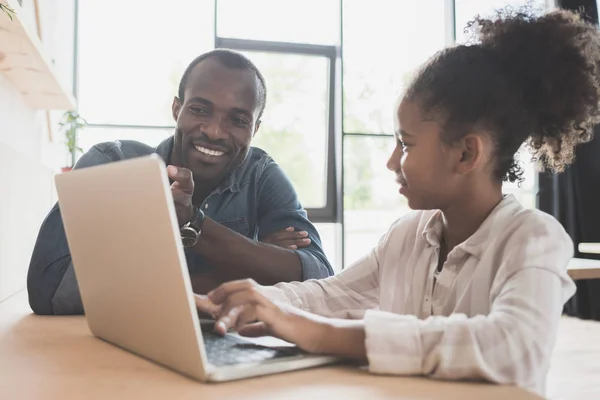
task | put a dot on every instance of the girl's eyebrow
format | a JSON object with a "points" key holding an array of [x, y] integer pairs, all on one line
{"points": [[402, 132]]}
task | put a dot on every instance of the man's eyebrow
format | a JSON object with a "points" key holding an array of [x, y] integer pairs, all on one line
{"points": [[202, 100], [236, 110], [242, 111]]}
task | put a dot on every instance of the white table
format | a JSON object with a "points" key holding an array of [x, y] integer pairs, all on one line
{"points": [[582, 268], [589, 248]]}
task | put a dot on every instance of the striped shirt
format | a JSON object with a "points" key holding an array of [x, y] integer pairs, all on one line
{"points": [[491, 315]]}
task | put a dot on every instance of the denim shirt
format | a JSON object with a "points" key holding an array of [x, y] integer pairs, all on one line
{"points": [[254, 200]]}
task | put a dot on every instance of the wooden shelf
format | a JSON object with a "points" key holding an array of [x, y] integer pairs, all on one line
{"points": [[24, 62]]}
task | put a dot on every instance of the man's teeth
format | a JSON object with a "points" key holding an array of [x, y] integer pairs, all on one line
{"points": [[209, 152]]}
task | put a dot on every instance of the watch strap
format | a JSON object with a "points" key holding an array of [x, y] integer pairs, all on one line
{"points": [[191, 231], [197, 221]]}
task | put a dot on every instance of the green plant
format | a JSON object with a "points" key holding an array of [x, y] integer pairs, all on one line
{"points": [[70, 125], [9, 11]]}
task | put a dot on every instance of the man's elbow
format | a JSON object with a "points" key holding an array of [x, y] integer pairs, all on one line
{"points": [[56, 296], [39, 301], [314, 266]]}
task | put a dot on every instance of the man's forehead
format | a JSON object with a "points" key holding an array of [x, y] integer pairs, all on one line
{"points": [[212, 76]]}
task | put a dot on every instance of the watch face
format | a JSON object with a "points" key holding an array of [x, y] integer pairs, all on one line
{"points": [[189, 236]]}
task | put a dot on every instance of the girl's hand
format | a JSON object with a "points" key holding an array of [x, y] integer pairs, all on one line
{"points": [[240, 305]]}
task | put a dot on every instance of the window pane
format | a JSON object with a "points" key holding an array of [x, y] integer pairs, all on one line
{"points": [[91, 136], [527, 190], [132, 55], [371, 199], [330, 234], [294, 124], [466, 10], [307, 21], [384, 42]]}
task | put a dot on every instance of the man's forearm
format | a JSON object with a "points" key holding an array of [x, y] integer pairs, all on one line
{"points": [[204, 282], [237, 257]]}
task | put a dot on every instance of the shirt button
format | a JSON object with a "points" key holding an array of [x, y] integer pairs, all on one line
{"points": [[206, 206], [426, 299]]}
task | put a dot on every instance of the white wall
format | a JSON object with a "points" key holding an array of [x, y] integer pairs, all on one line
{"points": [[28, 158]]}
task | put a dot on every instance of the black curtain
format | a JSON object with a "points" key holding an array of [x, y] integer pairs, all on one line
{"points": [[573, 197]]}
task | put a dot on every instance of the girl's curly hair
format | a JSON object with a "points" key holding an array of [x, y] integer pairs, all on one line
{"points": [[526, 78]]}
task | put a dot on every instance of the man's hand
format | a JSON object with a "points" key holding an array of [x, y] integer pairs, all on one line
{"points": [[241, 306], [288, 238], [183, 191]]}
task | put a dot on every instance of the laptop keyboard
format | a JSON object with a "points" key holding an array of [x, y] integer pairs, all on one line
{"points": [[231, 350]]}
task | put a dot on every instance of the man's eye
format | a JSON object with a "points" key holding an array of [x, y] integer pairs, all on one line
{"points": [[239, 121], [199, 110]]}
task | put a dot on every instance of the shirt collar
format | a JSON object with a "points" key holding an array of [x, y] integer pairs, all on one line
{"points": [[231, 181], [476, 243]]}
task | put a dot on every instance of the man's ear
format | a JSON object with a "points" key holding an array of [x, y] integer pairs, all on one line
{"points": [[471, 153], [176, 107], [256, 127]]}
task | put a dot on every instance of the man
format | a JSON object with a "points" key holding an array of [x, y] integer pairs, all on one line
{"points": [[239, 215]]}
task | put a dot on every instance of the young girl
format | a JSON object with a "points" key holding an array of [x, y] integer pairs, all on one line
{"points": [[471, 285]]}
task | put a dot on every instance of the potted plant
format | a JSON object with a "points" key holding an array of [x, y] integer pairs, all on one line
{"points": [[9, 11], [70, 124]]}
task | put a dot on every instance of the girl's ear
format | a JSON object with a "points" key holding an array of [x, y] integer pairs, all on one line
{"points": [[471, 149]]}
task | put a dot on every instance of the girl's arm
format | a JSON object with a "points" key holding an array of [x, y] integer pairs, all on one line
{"points": [[512, 344]]}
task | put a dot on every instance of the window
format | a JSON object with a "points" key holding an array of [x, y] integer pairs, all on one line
{"points": [[371, 199], [298, 122], [384, 42], [307, 21], [331, 238], [295, 122], [129, 71], [526, 192], [132, 55], [467, 10]]}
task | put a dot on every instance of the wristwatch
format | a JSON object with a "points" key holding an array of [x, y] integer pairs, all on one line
{"points": [[190, 232]]}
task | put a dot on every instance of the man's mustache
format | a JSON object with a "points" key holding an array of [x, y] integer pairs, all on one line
{"points": [[204, 141]]}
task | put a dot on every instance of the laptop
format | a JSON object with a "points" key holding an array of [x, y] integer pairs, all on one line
{"points": [[124, 238]]}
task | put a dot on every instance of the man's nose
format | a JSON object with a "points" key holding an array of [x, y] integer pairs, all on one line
{"points": [[213, 128]]}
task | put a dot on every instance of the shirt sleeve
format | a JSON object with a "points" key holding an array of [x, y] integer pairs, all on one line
{"points": [[510, 345], [346, 295], [280, 208]]}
